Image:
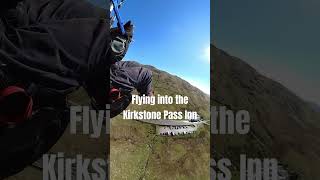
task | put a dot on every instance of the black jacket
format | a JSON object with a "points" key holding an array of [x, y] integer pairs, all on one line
{"points": [[59, 44]]}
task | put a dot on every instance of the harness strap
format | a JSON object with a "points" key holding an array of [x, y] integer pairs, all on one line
{"points": [[7, 98], [16, 104]]}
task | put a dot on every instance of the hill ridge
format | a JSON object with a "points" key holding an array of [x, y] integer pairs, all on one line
{"points": [[284, 122]]}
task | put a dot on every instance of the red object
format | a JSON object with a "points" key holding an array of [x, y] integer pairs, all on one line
{"points": [[115, 93], [16, 105]]}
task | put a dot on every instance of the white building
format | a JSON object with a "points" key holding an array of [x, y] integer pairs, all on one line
{"points": [[176, 130]]}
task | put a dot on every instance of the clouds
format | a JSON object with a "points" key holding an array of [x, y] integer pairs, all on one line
{"points": [[206, 54], [200, 84]]}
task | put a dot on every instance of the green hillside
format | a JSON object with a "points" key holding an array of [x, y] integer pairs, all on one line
{"points": [[137, 153]]}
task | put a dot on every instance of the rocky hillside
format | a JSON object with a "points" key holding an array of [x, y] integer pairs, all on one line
{"points": [[315, 106], [282, 124], [137, 153]]}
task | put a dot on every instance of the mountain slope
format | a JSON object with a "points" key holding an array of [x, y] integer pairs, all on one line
{"points": [[315, 106], [137, 153], [282, 124]]}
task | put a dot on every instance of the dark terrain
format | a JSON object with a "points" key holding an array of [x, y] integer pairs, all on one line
{"points": [[283, 125]]}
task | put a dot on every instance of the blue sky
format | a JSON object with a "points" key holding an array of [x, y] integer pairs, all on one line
{"points": [[279, 38], [173, 36]]}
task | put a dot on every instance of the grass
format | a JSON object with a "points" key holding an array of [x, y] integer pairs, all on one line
{"points": [[137, 153]]}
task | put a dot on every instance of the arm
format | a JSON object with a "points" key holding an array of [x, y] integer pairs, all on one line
{"points": [[52, 10], [57, 53], [132, 74]]}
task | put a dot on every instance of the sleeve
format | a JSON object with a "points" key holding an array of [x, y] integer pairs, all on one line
{"points": [[65, 46], [133, 74], [42, 11]]}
